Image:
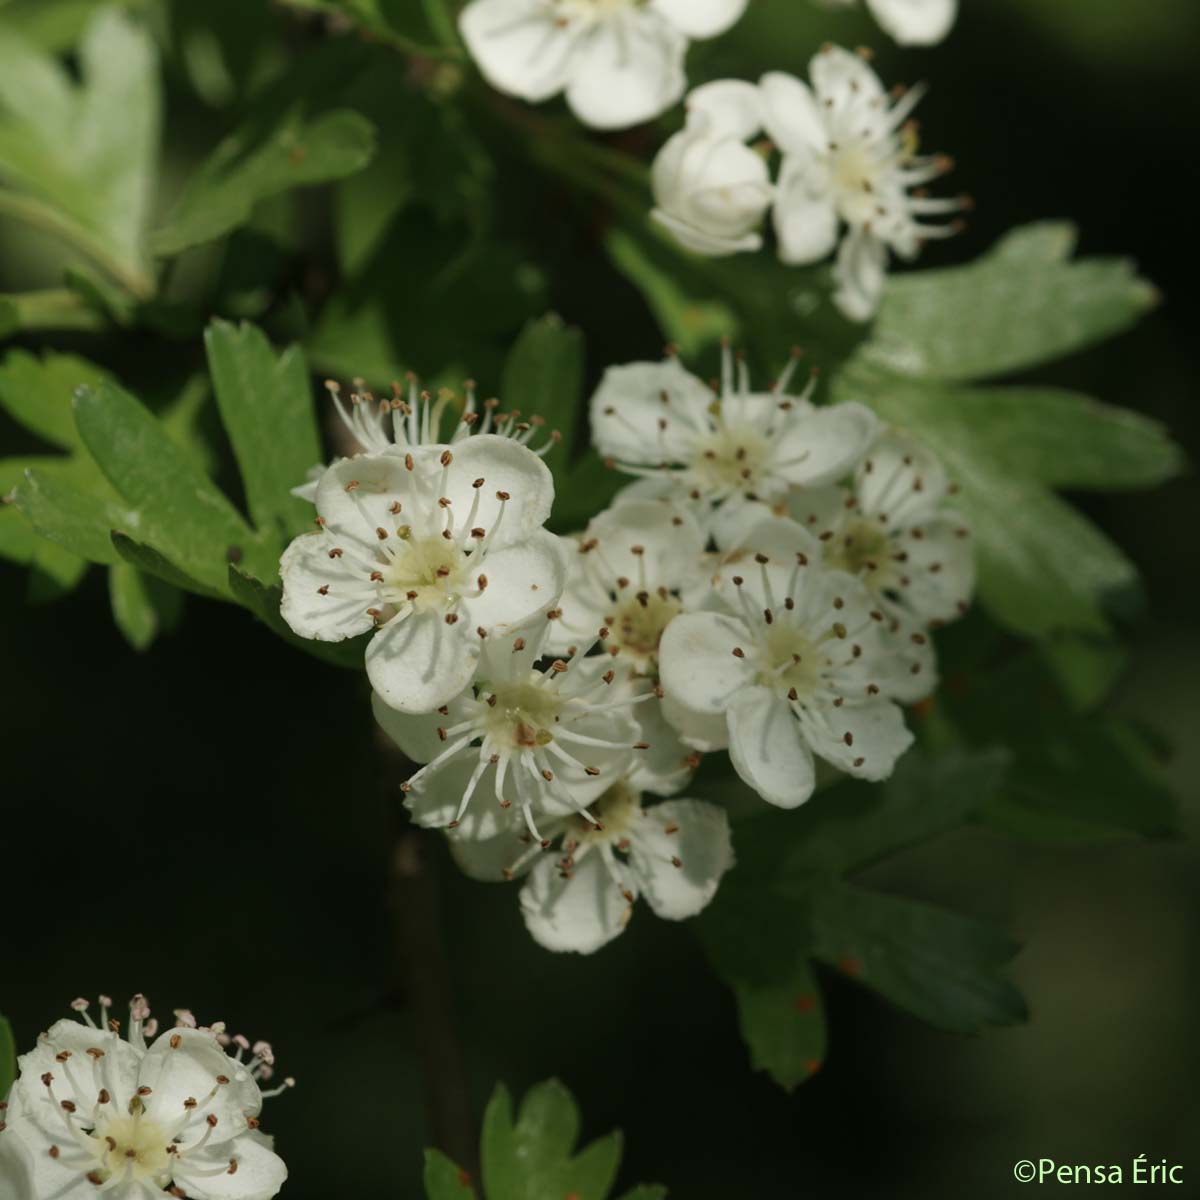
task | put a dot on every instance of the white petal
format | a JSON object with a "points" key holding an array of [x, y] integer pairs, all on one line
{"points": [[697, 661], [585, 603], [322, 597], [860, 273], [767, 748], [629, 73], [416, 734], [627, 407], [524, 580], [877, 733], [792, 553], [806, 221], [940, 572], [667, 765], [669, 542], [915, 22], [698, 840], [435, 801], [519, 46], [792, 117], [733, 107], [701, 18], [825, 445], [420, 662], [705, 732], [504, 856], [121, 1063], [259, 1174], [185, 1064], [354, 495], [847, 80], [900, 480], [504, 466], [27, 1169], [579, 914], [699, 241]]}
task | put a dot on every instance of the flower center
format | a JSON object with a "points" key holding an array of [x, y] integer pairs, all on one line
{"points": [[860, 548], [135, 1149], [730, 459], [523, 715], [791, 661], [638, 623], [617, 810], [425, 571], [855, 173]]}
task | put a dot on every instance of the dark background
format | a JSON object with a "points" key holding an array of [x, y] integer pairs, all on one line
{"points": [[207, 822]]}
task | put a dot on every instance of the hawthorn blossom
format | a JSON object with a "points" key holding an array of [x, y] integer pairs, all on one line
{"points": [[436, 551], [711, 190], [94, 1112], [581, 896], [796, 664], [894, 531], [398, 425], [620, 62], [632, 571], [850, 161], [911, 22], [728, 456], [527, 742]]}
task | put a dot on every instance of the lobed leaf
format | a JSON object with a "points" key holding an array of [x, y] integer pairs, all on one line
{"points": [[266, 407], [445, 1180], [1021, 305]]}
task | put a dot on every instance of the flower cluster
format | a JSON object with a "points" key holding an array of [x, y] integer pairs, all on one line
{"points": [[619, 62], [766, 584], [92, 1111], [850, 177]]}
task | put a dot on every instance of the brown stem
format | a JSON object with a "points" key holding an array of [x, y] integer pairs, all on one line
{"points": [[423, 981]]}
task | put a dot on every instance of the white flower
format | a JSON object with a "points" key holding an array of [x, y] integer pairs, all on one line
{"points": [[523, 744], [796, 665], [710, 189], [620, 62], [439, 549], [395, 425], [849, 159], [92, 1112], [727, 457], [911, 22], [894, 531], [632, 571], [580, 898]]}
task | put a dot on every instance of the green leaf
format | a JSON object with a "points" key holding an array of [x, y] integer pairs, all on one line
{"points": [[543, 377], [264, 601], [253, 165], [1021, 305], [53, 572], [180, 512], [420, 27], [37, 392], [445, 1180], [783, 1024], [78, 159], [1061, 439], [266, 406], [142, 606], [52, 308], [944, 967], [152, 562], [1043, 568], [8, 1057], [531, 1159], [78, 521]]}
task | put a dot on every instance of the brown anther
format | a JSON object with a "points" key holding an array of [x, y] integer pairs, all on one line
{"points": [[593, 771], [103, 1097], [323, 590], [676, 862], [336, 552], [848, 738], [503, 495], [452, 618], [641, 745], [738, 652], [352, 486], [376, 576], [478, 533], [446, 459]]}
